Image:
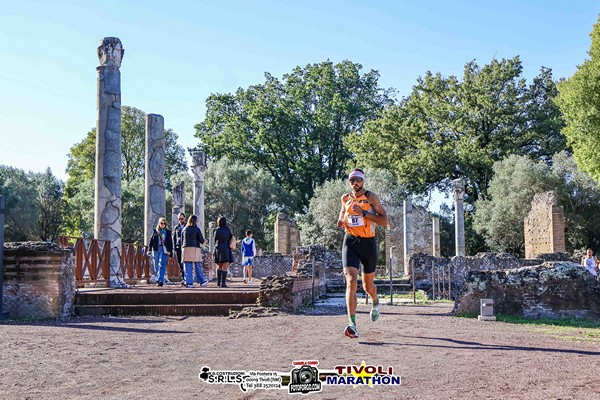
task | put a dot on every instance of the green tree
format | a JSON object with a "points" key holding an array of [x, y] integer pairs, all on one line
{"points": [[499, 219], [21, 210], [78, 215], [319, 224], [579, 102], [133, 143], [81, 170], [247, 197], [49, 201], [449, 128], [81, 162], [294, 128], [132, 201]]}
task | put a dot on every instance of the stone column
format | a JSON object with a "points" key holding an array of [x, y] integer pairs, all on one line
{"points": [[436, 248], [408, 235], [178, 202], [458, 187], [198, 168], [155, 206], [107, 204]]}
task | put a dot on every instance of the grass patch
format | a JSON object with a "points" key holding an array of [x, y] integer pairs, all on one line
{"points": [[566, 329]]}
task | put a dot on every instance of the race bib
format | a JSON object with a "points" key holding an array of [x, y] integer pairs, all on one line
{"points": [[355, 220]]}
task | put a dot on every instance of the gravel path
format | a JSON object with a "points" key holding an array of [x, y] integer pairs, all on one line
{"points": [[437, 356]]}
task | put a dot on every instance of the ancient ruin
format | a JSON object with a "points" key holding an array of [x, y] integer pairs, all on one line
{"points": [[107, 209], [198, 169], [544, 226], [559, 289], [287, 236], [178, 202], [404, 239], [155, 202], [39, 280], [458, 188]]}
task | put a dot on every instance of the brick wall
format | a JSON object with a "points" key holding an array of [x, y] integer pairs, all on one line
{"points": [[544, 226], [39, 280]]}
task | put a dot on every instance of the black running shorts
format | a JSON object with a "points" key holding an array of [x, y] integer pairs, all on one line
{"points": [[357, 250]]}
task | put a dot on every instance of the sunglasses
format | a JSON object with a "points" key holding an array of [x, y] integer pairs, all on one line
{"points": [[182, 219], [163, 223], [352, 180]]}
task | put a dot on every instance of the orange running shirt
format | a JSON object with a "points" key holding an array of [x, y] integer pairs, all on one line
{"points": [[356, 224]]}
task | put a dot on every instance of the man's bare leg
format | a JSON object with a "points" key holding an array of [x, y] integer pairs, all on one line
{"points": [[371, 289], [351, 275]]}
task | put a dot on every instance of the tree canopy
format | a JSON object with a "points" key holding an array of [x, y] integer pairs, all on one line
{"points": [[516, 180], [319, 224], [33, 204], [249, 199], [82, 156], [580, 104], [449, 128], [294, 128]]}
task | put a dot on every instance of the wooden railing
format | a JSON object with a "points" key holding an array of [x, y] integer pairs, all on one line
{"points": [[92, 262], [135, 263], [92, 259]]}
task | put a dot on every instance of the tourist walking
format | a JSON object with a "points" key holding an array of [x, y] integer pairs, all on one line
{"points": [[191, 243], [248, 249], [177, 230], [222, 238], [590, 262], [161, 244], [360, 211]]}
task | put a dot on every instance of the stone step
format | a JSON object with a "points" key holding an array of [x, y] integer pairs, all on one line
{"points": [[170, 297], [158, 309]]}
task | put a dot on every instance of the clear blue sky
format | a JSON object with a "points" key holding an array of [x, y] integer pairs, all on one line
{"points": [[179, 52]]}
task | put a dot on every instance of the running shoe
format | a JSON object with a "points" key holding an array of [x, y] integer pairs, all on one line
{"points": [[351, 331], [374, 313], [204, 283]]}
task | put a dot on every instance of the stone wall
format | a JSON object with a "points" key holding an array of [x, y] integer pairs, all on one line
{"points": [[289, 293], [544, 226], [39, 280], [287, 235], [457, 267], [327, 263], [555, 289]]}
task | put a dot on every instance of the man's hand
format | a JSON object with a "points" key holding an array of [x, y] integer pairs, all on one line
{"points": [[340, 223]]}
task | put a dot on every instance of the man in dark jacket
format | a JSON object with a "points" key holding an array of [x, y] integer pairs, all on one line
{"points": [[177, 230]]}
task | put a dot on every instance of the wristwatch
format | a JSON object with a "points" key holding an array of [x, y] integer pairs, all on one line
{"points": [[365, 213]]}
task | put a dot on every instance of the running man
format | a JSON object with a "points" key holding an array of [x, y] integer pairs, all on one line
{"points": [[248, 248], [361, 210]]}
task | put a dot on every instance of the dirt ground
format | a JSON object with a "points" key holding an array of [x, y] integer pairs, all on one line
{"points": [[436, 355]]}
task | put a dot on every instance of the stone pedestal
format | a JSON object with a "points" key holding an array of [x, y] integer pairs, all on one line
{"points": [[198, 169], [107, 207], [458, 187], [155, 206]]}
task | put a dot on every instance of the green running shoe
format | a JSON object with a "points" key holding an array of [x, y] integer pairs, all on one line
{"points": [[374, 313]]}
